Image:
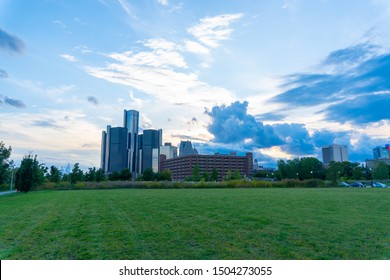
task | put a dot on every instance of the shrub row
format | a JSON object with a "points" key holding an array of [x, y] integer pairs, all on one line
{"points": [[314, 183]]}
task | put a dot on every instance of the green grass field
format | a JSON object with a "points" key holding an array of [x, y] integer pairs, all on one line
{"points": [[196, 224]]}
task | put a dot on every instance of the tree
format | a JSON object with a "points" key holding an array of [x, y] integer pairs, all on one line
{"points": [[358, 173], [214, 175], [90, 175], [125, 174], [76, 175], [380, 171], [54, 175], [113, 176], [5, 153], [309, 168], [100, 175], [166, 175], [30, 174], [206, 176], [148, 175], [236, 175], [196, 173], [334, 171]]}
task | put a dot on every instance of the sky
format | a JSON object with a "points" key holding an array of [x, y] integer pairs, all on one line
{"points": [[279, 78]]}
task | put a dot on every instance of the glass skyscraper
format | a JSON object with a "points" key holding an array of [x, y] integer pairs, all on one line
{"points": [[130, 122]]}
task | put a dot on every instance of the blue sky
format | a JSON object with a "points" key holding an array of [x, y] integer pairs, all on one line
{"points": [[280, 78]]}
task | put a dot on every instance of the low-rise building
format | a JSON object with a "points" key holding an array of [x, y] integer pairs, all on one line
{"points": [[182, 167]]}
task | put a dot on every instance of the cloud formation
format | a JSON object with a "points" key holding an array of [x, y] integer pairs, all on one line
{"points": [[12, 102], [232, 124], [234, 129], [11, 43], [93, 100], [354, 86], [211, 30], [160, 71], [69, 57]]}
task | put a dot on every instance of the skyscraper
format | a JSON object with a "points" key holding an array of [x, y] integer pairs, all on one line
{"points": [[334, 152], [114, 149], [149, 140], [130, 122], [381, 152], [186, 149]]}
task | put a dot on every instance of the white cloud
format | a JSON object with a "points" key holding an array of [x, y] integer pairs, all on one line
{"points": [[161, 73], [162, 44], [163, 2], [69, 57], [195, 47], [35, 132], [211, 30]]}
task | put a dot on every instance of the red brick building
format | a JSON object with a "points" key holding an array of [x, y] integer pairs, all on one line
{"points": [[182, 167]]}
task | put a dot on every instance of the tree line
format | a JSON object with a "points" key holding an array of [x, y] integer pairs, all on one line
{"points": [[311, 168]]}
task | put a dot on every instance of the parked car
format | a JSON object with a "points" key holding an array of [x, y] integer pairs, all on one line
{"points": [[344, 184], [357, 185], [378, 185]]}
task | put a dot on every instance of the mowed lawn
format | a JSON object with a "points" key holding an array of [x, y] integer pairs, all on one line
{"points": [[196, 224]]}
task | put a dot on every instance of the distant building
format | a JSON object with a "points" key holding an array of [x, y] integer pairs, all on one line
{"points": [[334, 152], [371, 163], [186, 149], [168, 150], [183, 166], [381, 152]]}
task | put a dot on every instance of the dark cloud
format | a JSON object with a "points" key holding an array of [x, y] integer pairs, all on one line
{"points": [[296, 137], [232, 124], [93, 100], [11, 43], [362, 109], [3, 74], [354, 54], [358, 76], [12, 102], [323, 138], [187, 137], [46, 123]]}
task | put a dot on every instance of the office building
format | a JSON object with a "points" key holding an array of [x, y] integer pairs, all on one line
{"points": [[381, 152], [114, 149], [182, 167], [186, 149], [149, 140], [334, 152], [168, 150], [130, 122]]}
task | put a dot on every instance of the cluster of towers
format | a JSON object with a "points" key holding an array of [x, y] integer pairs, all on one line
{"points": [[124, 147]]}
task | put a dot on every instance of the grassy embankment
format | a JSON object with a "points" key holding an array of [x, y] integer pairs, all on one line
{"points": [[332, 223]]}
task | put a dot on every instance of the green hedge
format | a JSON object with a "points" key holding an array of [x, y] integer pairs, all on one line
{"points": [[314, 183]]}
